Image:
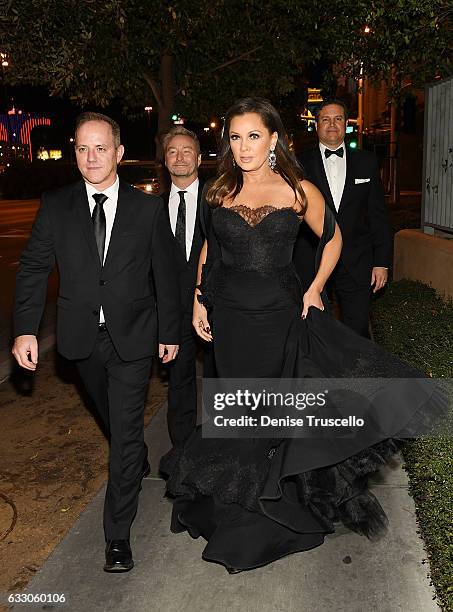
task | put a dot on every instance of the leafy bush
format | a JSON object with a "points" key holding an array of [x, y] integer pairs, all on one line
{"points": [[413, 322]]}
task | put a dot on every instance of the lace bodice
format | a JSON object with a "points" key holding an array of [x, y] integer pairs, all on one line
{"points": [[259, 239], [252, 240], [254, 216]]}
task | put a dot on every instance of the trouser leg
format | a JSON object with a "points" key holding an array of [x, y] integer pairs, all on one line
{"points": [[94, 377], [127, 384], [354, 301], [182, 387]]}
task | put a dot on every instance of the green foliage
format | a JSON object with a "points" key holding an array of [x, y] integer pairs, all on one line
{"points": [[96, 52], [430, 467], [419, 325], [412, 321], [408, 42]]}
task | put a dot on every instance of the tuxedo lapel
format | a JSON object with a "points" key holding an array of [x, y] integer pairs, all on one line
{"points": [[83, 211], [349, 180], [123, 219], [166, 199], [320, 179], [196, 230]]}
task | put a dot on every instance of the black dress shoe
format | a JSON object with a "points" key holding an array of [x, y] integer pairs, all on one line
{"points": [[233, 570], [118, 556]]}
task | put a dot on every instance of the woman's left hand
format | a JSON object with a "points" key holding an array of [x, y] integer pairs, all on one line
{"points": [[312, 298]]}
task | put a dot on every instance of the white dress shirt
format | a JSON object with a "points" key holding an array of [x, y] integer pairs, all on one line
{"points": [[110, 211], [335, 168], [190, 197]]}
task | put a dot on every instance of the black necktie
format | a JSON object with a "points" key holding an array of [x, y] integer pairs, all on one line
{"points": [[98, 218], [180, 230], [339, 152]]}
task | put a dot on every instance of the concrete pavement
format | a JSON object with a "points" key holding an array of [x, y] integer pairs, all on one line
{"points": [[346, 573]]}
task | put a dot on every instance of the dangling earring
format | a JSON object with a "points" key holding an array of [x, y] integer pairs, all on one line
{"points": [[272, 160], [234, 163]]}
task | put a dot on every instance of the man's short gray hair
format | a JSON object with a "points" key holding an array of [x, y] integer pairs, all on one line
{"points": [[179, 130]]}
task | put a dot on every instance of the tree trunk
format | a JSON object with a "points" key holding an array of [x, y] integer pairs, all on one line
{"points": [[166, 106]]}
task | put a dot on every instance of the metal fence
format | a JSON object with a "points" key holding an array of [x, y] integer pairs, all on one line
{"points": [[437, 195]]}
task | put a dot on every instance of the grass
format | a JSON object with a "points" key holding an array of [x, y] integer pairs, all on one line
{"points": [[413, 322]]}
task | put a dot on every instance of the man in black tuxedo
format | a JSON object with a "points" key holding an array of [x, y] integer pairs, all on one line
{"points": [[350, 182], [112, 246], [185, 209]]}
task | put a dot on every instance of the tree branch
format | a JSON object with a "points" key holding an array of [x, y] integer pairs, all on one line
{"points": [[155, 88], [236, 59]]}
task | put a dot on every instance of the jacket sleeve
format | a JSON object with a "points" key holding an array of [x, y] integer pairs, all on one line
{"points": [[36, 263], [166, 280], [379, 221]]}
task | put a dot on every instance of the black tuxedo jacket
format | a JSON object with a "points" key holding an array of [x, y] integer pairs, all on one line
{"points": [[188, 269], [362, 217], [137, 287]]}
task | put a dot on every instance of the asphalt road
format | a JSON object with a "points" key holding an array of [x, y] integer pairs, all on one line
{"points": [[16, 220]]}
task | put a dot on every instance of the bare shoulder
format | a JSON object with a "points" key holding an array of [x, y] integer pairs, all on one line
{"points": [[315, 200]]}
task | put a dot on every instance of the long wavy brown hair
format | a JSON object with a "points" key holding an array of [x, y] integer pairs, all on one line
{"points": [[230, 180]]}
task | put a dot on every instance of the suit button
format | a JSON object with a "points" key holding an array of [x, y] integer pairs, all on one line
{"points": [[102, 282], [96, 313]]}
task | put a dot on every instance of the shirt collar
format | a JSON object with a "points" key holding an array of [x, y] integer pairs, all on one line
{"points": [[192, 188], [111, 192]]}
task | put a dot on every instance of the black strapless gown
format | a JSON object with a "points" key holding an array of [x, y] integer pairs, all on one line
{"points": [[256, 500]]}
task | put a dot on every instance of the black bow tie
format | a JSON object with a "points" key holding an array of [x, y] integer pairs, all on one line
{"points": [[339, 152]]}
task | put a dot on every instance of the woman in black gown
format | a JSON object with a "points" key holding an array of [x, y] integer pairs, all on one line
{"points": [[256, 500]]}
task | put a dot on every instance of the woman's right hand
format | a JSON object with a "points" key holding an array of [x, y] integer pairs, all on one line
{"points": [[312, 298], [200, 321]]}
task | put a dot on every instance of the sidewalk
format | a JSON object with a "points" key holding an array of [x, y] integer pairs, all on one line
{"points": [[347, 573]]}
